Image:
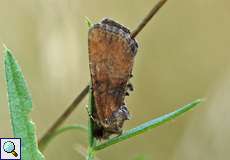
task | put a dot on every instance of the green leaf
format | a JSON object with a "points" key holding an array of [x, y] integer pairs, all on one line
{"points": [[148, 125], [88, 22], [20, 105]]}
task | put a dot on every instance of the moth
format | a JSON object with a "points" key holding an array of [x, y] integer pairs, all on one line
{"points": [[111, 58]]}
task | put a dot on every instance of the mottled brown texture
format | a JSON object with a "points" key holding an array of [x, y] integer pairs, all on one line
{"points": [[111, 57]]}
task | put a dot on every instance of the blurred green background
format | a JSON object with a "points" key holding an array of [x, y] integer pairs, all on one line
{"points": [[184, 54]]}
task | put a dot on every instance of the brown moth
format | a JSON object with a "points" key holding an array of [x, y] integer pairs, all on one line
{"points": [[111, 58]]}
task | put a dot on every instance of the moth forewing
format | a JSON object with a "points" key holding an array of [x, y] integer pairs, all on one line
{"points": [[111, 58]]}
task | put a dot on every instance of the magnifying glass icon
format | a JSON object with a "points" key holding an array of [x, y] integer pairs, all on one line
{"points": [[9, 147]]}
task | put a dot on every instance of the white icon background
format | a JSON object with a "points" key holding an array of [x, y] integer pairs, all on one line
{"points": [[8, 156]]}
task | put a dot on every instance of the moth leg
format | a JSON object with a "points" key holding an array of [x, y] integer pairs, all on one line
{"points": [[129, 88], [131, 75]]}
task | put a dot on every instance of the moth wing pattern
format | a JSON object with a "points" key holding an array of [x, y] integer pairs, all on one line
{"points": [[111, 58]]}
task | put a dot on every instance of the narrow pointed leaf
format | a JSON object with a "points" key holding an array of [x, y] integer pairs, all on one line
{"points": [[20, 106], [148, 125]]}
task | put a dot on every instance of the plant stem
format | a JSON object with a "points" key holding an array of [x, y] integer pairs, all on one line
{"points": [[91, 139], [147, 18], [64, 116]]}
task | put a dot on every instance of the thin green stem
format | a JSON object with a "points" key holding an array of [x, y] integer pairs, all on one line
{"points": [[59, 131], [91, 139], [67, 128], [148, 125]]}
